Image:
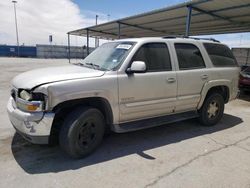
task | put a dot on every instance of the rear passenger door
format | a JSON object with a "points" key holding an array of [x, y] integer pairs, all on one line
{"points": [[149, 94], [191, 75]]}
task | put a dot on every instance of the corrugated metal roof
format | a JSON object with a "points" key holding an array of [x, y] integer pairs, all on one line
{"points": [[208, 17]]}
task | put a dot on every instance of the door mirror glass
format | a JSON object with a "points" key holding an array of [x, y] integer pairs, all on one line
{"points": [[137, 67]]}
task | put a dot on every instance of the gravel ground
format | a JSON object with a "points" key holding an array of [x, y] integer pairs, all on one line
{"points": [[182, 154]]}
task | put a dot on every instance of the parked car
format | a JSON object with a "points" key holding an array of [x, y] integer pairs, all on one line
{"points": [[244, 82], [124, 85], [243, 67]]}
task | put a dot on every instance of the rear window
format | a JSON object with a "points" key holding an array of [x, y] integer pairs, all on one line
{"points": [[220, 55]]}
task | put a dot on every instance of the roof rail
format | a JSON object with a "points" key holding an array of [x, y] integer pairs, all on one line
{"points": [[196, 38], [169, 37]]}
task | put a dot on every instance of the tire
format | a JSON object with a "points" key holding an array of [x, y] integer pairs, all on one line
{"points": [[82, 132], [212, 109]]}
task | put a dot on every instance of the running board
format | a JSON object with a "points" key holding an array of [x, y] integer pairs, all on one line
{"points": [[153, 122]]}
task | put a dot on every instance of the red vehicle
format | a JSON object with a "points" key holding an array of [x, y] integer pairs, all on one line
{"points": [[244, 82]]}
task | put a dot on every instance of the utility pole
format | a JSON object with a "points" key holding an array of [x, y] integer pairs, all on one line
{"points": [[17, 40], [96, 39]]}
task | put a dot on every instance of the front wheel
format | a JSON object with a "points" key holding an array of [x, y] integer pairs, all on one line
{"points": [[212, 110], [82, 132]]}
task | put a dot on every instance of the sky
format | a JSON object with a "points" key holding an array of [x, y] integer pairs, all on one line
{"points": [[37, 19]]}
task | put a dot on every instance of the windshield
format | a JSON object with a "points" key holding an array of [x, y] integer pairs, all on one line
{"points": [[108, 56]]}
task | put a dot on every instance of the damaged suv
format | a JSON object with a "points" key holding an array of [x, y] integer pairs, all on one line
{"points": [[122, 86]]}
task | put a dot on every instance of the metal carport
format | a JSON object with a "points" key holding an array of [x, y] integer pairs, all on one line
{"points": [[198, 17]]}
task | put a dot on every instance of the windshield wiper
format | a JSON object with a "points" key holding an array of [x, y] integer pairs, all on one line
{"points": [[83, 65], [89, 65], [93, 65]]}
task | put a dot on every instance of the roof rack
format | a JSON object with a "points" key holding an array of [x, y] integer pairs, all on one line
{"points": [[169, 37], [195, 38]]}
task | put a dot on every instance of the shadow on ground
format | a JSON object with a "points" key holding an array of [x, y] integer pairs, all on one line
{"points": [[35, 159]]}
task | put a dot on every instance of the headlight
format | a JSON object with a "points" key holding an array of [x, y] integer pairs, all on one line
{"points": [[25, 95], [30, 106], [30, 102]]}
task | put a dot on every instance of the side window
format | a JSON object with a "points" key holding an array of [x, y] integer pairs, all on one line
{"points": [[220, 55], [155, 55], [189, 56]]}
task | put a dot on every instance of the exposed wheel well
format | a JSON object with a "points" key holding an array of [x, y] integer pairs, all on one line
{"points": [[64, 108], [223, 90]]}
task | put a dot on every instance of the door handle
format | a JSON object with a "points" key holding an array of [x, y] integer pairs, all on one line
{"points": [[204, 76], [171, 80]]}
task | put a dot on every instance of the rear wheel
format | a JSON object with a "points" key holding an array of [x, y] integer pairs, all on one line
{"points": [[82, 132], [212, 109]]}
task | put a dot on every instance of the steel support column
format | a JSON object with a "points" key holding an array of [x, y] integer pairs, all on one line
{"points": [[188, 21], [17, 39], [96, 38], [87, 42], [69, 47]]}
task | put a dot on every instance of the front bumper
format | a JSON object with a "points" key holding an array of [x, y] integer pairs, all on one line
{"points": [[34, 127]]}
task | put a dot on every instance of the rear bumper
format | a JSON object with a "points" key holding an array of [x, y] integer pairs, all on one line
{"points": [[34, 127]]}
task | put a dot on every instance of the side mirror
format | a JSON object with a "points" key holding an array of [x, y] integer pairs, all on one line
{"points": [[137, 67]]}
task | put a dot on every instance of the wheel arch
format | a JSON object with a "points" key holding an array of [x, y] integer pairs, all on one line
{"points": [[62, 109], [222, 87]]}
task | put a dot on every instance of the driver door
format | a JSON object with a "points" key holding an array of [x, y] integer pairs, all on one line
{"points": [[149, 94]]}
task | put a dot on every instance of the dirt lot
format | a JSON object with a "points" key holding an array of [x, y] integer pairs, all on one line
{"points": [[182, 154]]}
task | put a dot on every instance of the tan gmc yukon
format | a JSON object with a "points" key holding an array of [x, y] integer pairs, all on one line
{"points": [[124, 85]]}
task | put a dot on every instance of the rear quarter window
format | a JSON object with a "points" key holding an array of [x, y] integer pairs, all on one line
{"points": [[220, 55]]}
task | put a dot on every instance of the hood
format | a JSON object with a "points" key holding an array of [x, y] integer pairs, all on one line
{"points": [[245, 74], [31, 79]]}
